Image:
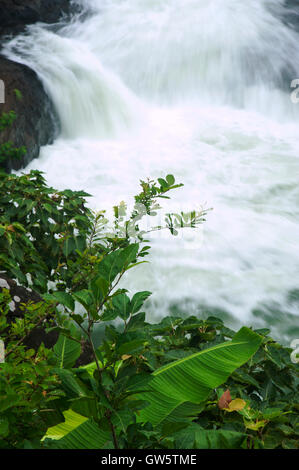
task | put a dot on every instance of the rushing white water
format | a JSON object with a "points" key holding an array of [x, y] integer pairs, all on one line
{"points": [[200, 89]]}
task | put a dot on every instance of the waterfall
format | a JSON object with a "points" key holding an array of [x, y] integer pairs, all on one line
{"points": [[200, 89]]}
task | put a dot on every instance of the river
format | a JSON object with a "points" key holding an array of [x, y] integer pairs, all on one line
{"points": [[200, 89]]}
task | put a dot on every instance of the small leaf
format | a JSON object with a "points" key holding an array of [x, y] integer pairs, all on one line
{"points": [[126, 356], [224, 400], [138, 300], [170, 179], [236, 405], [256, 425]]}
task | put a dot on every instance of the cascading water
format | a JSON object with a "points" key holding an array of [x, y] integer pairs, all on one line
{"points": [[200, 89]]}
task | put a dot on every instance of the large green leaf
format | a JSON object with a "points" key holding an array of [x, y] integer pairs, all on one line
{"points": [[72, 385], [195, 437], [72, 421], [63, 298], [117, 262], [138, 300], [67, 351], [192, 378], [76, 432]]}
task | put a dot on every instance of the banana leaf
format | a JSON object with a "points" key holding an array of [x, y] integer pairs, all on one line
{"points": [[191, 379]]}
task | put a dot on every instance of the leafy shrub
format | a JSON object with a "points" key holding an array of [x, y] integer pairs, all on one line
{"points": [[7, 149], [27, 383]]}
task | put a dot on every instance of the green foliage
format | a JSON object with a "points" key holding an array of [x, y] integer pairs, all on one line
{"points": [[7, 119], [190, 379], [133, 354], [18, 94], [76, 245], [40, 230], [148, 385], [28, 385], [7, 149]]}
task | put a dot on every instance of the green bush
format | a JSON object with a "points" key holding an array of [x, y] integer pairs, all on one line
{"points": [[27, 384], [7, 149], [181, 383]]}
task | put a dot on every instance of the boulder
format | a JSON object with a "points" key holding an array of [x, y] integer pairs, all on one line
{"points": [[16, 14], [36, 122]]}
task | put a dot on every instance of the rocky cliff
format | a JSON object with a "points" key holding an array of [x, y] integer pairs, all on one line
{"points": [[16, 14], [37, 123]]}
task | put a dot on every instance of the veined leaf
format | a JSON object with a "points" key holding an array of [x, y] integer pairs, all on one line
{"points": [[72, 385], [236, 405], [118, 261], [72, 420], [77, 432], [195, 437], [121, 303], [192, 378], [67, 351], [99, 288], [63, 298], [138, 300]]}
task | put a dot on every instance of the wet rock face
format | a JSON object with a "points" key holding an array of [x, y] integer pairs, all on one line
{"points": [[36, 122], [291, 16], [15, 14]]}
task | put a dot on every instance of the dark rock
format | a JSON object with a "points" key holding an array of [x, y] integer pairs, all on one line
{"points": [[36, 122], [16, 14], [291, 14], [86, 356]]}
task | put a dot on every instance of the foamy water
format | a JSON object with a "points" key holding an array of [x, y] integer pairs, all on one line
{"points": [[199, 89]]}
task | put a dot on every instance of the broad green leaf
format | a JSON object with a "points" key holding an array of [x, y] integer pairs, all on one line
{"points": [[99, 288], [131, 347], [163, 183], [83, 434], [72, 386], [121, 303], [109, 315], [117, 262], [84, 297], [69, 246], [72, 420], [67, 351], [4, 427], [85, 406], [9, 401], [195, 437], [192, 378], [137, 322], [63, 298], [138, 300]]}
